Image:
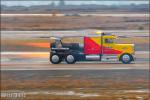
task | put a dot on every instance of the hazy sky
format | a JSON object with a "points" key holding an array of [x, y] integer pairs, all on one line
{"points": [[29, 3]]}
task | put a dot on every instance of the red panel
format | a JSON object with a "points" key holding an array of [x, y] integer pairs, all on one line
{"points": [[90, 47]]}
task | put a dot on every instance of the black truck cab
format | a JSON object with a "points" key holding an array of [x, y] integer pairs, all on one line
{"points": [[69, 52]]}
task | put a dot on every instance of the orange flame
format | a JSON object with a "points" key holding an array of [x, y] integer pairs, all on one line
{"points": [[42, 45], [39, 55]]}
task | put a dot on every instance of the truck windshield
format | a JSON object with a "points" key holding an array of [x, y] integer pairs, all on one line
{"points": [[55, 43], [109, 40], [58, 44]]}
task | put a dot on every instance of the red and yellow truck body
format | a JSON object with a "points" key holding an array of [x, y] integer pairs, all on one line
{"points": [[95, 48]]}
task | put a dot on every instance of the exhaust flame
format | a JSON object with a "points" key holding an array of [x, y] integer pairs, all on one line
{"points": [[42, 45]]}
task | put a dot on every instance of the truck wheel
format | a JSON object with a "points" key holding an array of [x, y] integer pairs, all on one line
{"points": [[126, 58], [55, 59], [70, 59]]}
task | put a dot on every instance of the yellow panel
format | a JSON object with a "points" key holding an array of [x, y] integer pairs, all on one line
{"points": [[96, 40], [125, 48]]}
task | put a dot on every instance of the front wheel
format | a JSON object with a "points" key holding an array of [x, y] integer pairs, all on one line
{"points": [[70, 59], [55, 59], [126, 58]]}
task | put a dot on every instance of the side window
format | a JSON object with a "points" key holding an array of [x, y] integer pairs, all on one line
{"points": [[109, 41]]}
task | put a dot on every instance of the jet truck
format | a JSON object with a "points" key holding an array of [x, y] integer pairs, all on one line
{"points": [[100, 48]]}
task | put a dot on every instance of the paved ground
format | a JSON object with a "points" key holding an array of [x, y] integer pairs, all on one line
{"points": [[40, 61], [30, 60], [112, 15], [47, 34]]}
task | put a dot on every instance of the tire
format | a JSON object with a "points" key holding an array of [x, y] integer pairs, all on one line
{"points": [[55, 59], [126, 58], [70, 59]]}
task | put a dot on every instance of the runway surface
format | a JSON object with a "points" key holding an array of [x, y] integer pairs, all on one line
{"points": [[40, 61], [61, 33], [44, 15]]}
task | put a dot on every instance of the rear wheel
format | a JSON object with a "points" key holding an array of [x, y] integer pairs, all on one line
{"points": [[70, 59], [55, 59], [126, 58]]}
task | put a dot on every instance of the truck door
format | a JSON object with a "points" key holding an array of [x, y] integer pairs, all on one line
{"points": [[108, 46], [92, 45]]}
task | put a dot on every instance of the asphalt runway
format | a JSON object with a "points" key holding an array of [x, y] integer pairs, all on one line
{"points": [[61, 33], [111, 15], [40, 61]]}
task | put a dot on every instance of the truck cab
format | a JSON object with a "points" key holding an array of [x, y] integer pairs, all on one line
{"points": [[93, 48]]}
